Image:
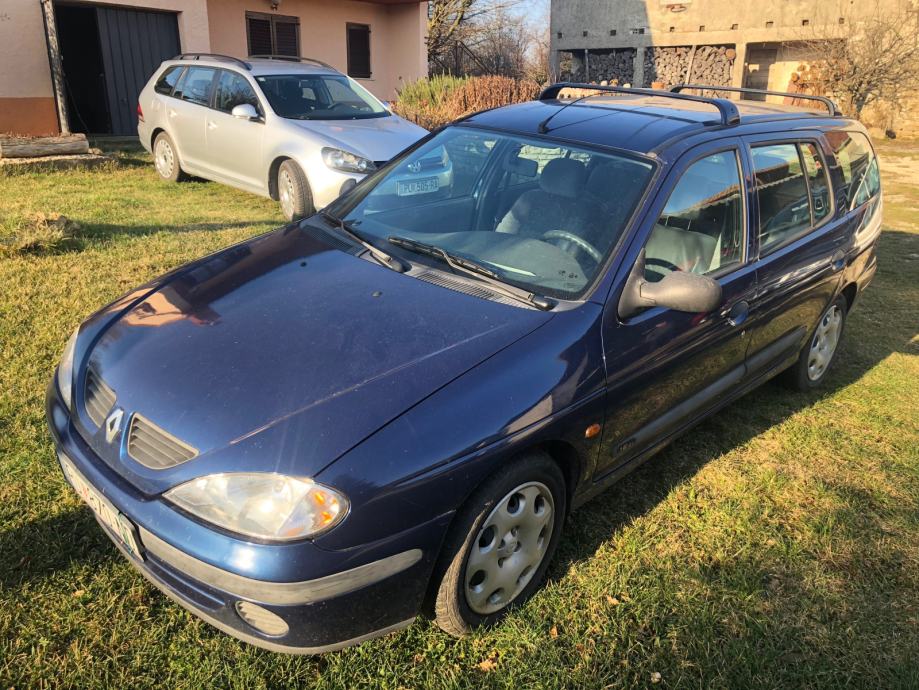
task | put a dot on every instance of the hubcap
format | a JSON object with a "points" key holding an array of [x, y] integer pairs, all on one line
{"points": [[824, 343], [164, 158], [286, 193], [509, 548]]}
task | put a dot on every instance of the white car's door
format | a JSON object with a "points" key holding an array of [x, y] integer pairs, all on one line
{"points": [[186, 113], [234, 145]]}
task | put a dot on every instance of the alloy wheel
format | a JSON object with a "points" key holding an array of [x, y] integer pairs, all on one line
{"points": [[509, 548]]}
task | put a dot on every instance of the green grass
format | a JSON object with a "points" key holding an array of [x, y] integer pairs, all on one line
{"points": [[776, 545]]}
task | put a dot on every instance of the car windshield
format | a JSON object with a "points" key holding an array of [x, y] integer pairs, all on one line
{"points": [[319, 97], [537, 214]]}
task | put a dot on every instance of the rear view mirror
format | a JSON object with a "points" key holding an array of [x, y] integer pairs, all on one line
{"points": [[680, 290], [245, 111]]}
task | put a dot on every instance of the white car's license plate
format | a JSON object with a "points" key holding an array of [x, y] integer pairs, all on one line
{"points": [[425, 186], [110, 516]]}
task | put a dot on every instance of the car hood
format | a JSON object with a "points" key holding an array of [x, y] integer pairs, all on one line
{"points": [[282, 353], [378, 138]]}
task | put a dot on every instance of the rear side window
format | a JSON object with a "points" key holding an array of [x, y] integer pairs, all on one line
{"points": [[859, 165], [784, 207], [701, 229], [196, 86], [234, 90], [168, 80]]}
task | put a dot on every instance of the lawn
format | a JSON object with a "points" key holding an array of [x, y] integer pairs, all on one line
{"points": [[776, 545]]}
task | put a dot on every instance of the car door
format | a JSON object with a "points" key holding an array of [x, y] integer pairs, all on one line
{"points": [[800, 243], [665, 368], [186, 113], [234, 145]]}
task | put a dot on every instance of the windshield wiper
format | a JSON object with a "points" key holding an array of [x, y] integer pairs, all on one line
{"points": [[347, 229], [473, 268]]}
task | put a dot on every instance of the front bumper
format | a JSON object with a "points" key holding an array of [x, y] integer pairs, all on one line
{"points": [[377, 588]]}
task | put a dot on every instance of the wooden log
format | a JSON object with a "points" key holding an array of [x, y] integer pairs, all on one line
{"points": [[64, 145]]}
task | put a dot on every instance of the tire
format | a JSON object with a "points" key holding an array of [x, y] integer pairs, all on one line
{"points": [[294, 193], [467, 595], [819, 353], [166, 159]]}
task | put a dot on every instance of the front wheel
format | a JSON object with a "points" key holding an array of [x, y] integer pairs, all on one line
{"points": [[820, 352], [501, 544], [294, 192]]}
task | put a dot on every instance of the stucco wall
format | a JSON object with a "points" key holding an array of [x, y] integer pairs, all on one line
{"points": [[396, 35]]}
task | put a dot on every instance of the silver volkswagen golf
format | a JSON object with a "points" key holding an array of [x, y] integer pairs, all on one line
{"points": [[293, 129]]}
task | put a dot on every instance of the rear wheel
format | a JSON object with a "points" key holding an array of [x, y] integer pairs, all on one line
{"points": [[166, 159], [294, 194], [820, 351], [501, 544]]}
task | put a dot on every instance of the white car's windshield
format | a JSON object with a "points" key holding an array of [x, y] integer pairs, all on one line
{"points": [[319, 97], [538, 214]]}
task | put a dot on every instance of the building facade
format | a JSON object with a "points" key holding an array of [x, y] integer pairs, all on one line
{"points": [[723, 42], [109, 49]]}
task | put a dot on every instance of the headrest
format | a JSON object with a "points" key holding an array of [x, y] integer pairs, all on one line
{"points": [[609, 179], [564, 177], [525, 167]]}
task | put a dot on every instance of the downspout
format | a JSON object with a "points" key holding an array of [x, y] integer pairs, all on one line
{"points": [[57, 68]]}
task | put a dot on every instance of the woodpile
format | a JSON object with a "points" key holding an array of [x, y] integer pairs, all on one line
{"points": [[37, 147], [611, 66], [681, 64]]}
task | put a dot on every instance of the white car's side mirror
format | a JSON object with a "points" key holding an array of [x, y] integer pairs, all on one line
{"points": [[245, 111]]}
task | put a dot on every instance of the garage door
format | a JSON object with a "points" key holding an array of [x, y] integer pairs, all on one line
{"points": [[133, 44]]}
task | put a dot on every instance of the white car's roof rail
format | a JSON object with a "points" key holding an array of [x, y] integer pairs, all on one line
{"points": [[292, 58], [213, 56]]}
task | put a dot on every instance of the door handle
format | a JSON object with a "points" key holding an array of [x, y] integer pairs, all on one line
{"points": [[738, 313], [172, 113], [211, 124]]}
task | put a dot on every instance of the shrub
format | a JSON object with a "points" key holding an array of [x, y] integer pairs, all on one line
{"points": [[436, 101], [41, 233]]}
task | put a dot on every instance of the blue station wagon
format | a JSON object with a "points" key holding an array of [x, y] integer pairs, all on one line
{"points": [[389, 408]]}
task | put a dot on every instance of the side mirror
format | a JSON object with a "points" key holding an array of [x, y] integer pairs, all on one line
{"points": [[245, 111], [681, 291]]}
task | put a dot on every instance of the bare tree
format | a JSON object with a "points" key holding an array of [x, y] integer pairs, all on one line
{"points": [[454, 25], [445, 18], [867, 62]]}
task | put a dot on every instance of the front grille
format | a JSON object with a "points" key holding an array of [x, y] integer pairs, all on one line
{"points": [[99, 398], [154, 447]]}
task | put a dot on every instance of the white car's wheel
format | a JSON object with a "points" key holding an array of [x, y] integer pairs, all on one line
{"points": [[166, 159], [294, 194]]}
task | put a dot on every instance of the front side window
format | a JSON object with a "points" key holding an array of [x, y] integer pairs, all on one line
{"points": [[549, 233], [701, 229], [319, 97], [233, 90], [168, 80], [781, 190], [195, 86], [817, 181]]}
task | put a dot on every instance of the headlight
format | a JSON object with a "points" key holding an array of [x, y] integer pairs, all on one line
{"points": [[348, 162], [65, 370], [261, 504]]}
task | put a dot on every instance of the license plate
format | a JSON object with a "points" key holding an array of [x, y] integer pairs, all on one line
{"points": [[425, 186], [122, 527]]}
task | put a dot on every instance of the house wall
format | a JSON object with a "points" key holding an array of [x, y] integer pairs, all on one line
{"points": [[397, 53]]}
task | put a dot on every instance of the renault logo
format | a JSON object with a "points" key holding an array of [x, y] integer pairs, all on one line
{"points": [[113, 424]]}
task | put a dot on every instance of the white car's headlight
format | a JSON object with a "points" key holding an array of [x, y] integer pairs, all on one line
{"points": [[348, 162], [262, 504], [65, 371]]}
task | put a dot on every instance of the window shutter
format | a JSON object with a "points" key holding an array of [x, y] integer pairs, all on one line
{"points": [[359, 51], [286, 39], [259, 31]]}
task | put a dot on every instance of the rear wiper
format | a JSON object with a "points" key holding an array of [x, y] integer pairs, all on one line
{"points": [[347, 229], [473, 268]]}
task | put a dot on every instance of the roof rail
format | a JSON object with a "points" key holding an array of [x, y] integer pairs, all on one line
{"points": [[291, 58], [729, 113], [830, 105], [213, 56]]}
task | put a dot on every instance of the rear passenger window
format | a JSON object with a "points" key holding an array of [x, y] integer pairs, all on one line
{"points": [[859, 165], [817, 181], [167, 81], [701, 229], [784, 208], [196, 86]]}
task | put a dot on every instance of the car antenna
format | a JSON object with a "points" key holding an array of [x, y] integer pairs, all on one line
{"points": [[544, 125]]}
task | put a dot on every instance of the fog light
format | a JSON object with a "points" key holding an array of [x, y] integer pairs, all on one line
{"points": [[347, 186], [261, 619]]}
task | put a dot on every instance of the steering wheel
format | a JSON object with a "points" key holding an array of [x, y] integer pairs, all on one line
{"points": [[652, 261], [578, 242]]}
